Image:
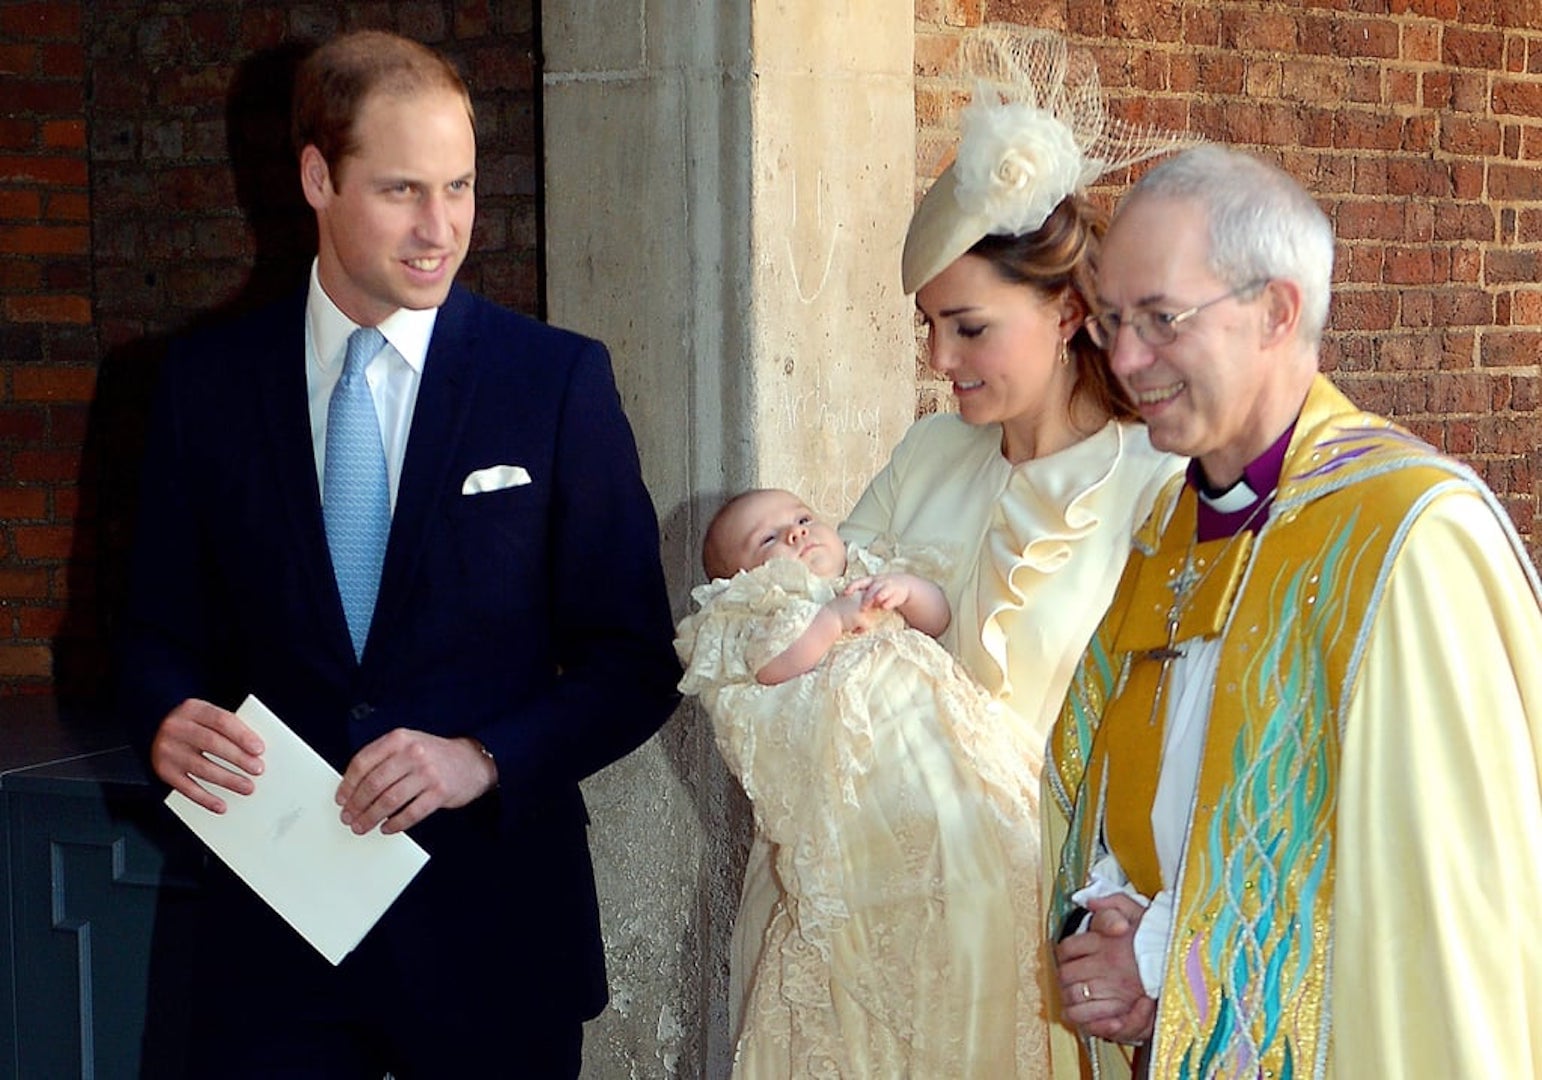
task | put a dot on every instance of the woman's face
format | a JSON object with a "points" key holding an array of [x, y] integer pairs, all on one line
{"points": [[999, 343]]}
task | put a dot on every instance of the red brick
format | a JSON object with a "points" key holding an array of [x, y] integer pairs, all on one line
{"points": [[1471, 136], [64, 134], [1313, 82], [1201, 25], [1511, 348], [1466, 393], [1377, 38], [1466, 265], [1418, 176], [1464, 221], [1418, 133], [68, 171], [1430, 9], [22, 424], [1362, 129], [37, 466], [17, 584], [1517, 98], [1364, 310], [474, 20], [1409, 352], [1467, 179], [1369, 221], [40, 623], [19, 277], [67, 503], [1361, 264], [1415, 266], [1462, 307], [1518, 183], [1512, 141], [48, 309], [1512, 267], [25, 661], [55, 97], [17, 134], [1261, 31], [18, 59], [43, 382], [41, 21], [43, 541], [22, 504], [263, 28], [1421, 42], [1470, 92], [1145, 21], [63, 61], [1470, 48], [20, 206], [1526, 308]]}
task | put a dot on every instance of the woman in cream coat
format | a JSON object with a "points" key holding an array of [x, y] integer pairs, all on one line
{"points": [[1034, 487]]}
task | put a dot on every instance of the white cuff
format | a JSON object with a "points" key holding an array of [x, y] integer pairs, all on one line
{"points": [[1151, 942]]}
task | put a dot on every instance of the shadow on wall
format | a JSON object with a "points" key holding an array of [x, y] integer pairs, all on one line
{"points": [[282, 233]]}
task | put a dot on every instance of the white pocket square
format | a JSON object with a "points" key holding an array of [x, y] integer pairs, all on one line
{"points": [[494, 478]]}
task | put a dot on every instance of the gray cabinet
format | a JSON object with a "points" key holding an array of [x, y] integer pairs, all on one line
{"points": [[93, 871]]}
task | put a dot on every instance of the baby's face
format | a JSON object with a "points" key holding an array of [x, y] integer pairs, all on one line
{"points": [[776, 525]]}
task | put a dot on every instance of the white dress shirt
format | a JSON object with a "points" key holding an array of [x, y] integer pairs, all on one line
{"points": [[394, 375]]}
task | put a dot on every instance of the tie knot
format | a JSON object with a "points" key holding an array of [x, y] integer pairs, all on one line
{"points": [[363, 344]]}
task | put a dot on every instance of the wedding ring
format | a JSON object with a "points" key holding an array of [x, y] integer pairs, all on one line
{"points": [[1086, 992]]}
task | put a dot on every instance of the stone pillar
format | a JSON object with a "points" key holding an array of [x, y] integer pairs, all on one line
{"points": [[726, 190]]}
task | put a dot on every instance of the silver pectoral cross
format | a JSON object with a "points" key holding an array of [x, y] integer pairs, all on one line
{"points": [[1183, 582]]}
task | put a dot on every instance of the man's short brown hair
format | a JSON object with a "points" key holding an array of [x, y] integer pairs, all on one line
{"points": [[335, 80]]}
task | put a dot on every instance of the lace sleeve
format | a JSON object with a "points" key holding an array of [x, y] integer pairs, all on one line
{"points": [[745, 621]]}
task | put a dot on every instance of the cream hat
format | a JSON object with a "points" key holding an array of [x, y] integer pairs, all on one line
{"points": [[1034, 132]]}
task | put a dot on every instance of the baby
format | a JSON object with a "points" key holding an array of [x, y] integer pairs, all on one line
{"points": [[757, 526], [877, 934]]}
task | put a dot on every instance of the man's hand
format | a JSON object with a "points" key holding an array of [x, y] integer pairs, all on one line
{"points": [[405, 775], [193, 729], [1100, 987]]}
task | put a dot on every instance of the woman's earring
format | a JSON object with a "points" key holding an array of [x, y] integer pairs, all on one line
{"points": [[1065, 352]]}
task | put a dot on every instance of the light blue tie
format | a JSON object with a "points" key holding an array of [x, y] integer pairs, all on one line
{"points": [[355, 493]]}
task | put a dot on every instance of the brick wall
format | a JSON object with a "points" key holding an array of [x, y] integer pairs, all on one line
{"points": [[146, 183], [1418, 126]]}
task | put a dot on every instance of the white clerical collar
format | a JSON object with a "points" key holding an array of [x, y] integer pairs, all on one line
{"points": [[1233, 500]]}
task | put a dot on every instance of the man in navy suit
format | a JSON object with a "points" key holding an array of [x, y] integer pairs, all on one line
{"points": [[519, 641]]}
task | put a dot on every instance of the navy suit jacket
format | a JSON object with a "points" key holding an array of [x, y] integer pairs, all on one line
{"points": [[534, 618]]}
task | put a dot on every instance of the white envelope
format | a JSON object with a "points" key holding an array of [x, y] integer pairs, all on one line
{"points": [[494, 478], [287, 842]]}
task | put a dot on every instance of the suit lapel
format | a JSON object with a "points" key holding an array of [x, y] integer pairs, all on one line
{"points": [[438, 419], [279, 367]]}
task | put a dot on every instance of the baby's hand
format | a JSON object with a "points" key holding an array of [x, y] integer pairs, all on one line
{"points": [[885, 592], [855, 619]]}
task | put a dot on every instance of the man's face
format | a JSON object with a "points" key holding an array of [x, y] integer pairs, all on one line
{"points": [[395, 217], [1210, 392], [776, 525]]}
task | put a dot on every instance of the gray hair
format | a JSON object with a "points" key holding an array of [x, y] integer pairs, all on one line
{"points": [[1263, 224]]}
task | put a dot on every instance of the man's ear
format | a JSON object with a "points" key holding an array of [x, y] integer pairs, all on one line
{"points": [[315, 178], [1282, 311]]}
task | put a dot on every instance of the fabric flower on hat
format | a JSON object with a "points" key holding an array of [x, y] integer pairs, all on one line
{"points": [[1015, 163]]}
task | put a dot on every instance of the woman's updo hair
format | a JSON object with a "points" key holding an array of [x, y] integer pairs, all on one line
{"points": [[1063, 254]]}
